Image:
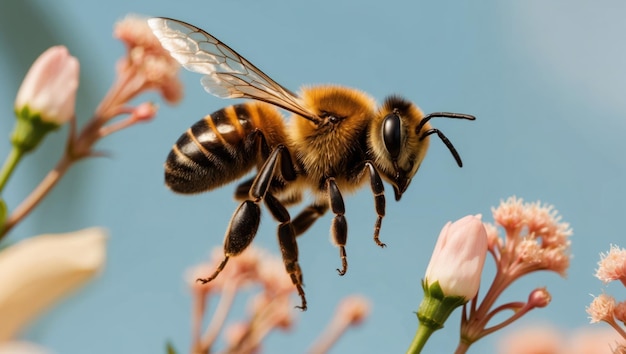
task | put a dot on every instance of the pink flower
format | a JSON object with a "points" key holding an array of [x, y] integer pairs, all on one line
{"points": [[350, 312], [612, 265], [536, 239], [458, 258], [49, 88], [601, 308], [146, 66], [538, 339]]}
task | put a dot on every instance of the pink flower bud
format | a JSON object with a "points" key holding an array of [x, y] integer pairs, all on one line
{"points": [[49, 88], [458, 258], [539, 297]]}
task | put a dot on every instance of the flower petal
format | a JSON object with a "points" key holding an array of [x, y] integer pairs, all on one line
{"points": [[37, 272]]}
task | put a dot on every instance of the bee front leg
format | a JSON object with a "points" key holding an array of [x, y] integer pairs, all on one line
{"points": [[288, 244], [339, 226], [378, 190]]}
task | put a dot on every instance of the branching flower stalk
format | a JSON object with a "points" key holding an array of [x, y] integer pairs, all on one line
{"points": [[270, 309], [535, 240], [604, 308], [146, 66]]}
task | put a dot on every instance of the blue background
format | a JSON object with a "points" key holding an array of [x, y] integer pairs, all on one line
{"points": [[545, 79]]}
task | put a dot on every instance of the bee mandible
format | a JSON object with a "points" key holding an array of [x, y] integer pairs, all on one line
{"points": [[336, 141]]}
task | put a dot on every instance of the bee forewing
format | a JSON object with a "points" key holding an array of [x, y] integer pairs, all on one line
{"points": [[227, 74]]}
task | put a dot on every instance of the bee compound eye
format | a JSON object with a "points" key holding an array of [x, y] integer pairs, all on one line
{"points": [[392, 134]]}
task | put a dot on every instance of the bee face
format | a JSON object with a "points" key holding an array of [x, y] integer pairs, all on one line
{"points": [[396, 142]]}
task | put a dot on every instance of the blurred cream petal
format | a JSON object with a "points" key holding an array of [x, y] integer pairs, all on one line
{"points": [[22, 348], [37, 272]]}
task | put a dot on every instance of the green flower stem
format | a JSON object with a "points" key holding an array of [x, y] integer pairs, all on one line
{"points": [[30, 129], [421, 336], [433, 312], [9, 165]]}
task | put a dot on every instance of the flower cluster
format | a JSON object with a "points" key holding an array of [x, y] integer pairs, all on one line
{"points": [[535, 239], [46, 100], [604, 308], [39, 271], [269, 309], [544, 338]]}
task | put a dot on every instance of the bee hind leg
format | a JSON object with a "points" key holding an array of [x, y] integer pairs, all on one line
{"points": [[241, 231], [339, 226], [245, 221], [280, 159]]}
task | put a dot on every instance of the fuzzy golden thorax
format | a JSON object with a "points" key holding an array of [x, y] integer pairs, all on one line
{"points": [[324, 149]]}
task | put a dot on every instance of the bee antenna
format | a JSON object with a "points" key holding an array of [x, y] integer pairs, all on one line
{"points": [[445, 141], [442, 115]]}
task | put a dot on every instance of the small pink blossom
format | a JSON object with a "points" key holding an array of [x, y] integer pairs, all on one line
{"points": [[458, 258], [144, 112], [50, 86], [594, 341], [353, 309], [146, 66], [493, 237], [601, 308], [546, 339], [350, 312], [510, 214], [538, 339], [612, 265]]}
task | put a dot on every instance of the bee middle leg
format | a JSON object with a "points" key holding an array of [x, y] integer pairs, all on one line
{"points": [[308, 216]]}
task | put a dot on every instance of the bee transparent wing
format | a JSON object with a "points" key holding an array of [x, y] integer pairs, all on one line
{"points": [[226, 73]]}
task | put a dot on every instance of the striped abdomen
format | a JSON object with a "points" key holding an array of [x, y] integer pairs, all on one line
{"points": [[218, 149]]}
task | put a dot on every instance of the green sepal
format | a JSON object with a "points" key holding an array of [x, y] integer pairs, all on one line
{"points": [[436, 307], [30, 129]]}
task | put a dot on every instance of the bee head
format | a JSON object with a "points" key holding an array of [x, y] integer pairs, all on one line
{"points": [[399, 140]]}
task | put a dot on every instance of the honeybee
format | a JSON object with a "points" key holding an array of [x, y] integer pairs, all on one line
{"points": [[337, 140]]}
